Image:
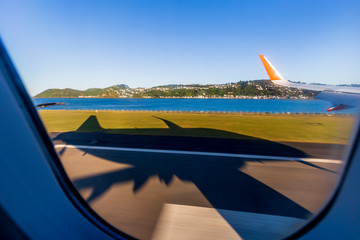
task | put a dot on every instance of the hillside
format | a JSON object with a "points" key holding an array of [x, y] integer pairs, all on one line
{"points": [[242, 89], [109, 92]]}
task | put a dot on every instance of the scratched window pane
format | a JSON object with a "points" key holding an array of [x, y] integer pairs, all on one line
{"points": [[170, 125]]}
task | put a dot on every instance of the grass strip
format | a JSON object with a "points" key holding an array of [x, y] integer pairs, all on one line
{"points": [[274, 127]]}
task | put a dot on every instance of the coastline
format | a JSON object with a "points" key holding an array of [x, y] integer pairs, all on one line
{"points": [[200, 97], [263, 106], [197, 112]]}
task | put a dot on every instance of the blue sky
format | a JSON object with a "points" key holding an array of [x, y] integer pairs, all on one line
{"points": [[83, 44]]}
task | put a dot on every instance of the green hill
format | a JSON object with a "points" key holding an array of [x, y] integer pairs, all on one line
{"points": [[109, 92], [242, 89]]}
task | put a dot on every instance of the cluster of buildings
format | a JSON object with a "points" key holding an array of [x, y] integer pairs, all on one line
{"points": [[202, 91]]}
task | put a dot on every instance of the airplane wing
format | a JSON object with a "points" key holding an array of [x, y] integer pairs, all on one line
{"points": [[341, 97]]}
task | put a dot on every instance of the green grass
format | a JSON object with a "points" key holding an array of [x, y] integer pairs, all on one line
{"points": [[273, 127]]}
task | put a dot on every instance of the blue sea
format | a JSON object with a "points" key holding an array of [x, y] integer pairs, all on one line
{"points": [[195, 105]]}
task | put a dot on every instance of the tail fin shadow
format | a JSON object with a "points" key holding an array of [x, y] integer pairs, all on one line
{"points": [[90, 125], [170, 124]]}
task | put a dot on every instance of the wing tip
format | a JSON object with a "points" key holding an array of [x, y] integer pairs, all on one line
{"points": [[270, 69]]}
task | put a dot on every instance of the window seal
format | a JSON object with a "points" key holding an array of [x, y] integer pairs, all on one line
{"points": [[23, 99]]}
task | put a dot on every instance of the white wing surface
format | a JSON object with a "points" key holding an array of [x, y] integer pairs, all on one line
{"points": [[341, 97]]}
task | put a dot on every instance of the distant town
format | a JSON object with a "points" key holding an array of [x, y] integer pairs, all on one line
{"points": [[252, 89]]}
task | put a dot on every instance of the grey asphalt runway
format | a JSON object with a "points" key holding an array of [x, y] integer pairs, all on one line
{"points": [[170, 195]]}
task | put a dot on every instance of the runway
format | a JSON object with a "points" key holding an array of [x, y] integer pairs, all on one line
{"points": [[163, 194]]}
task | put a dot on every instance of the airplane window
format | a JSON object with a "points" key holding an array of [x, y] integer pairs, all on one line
{"points": [[172, 119]]}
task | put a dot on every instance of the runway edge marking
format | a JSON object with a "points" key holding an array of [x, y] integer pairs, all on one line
{"points": [[213, 154]]}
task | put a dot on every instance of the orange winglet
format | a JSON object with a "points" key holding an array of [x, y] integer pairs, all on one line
{"points": [[271, 71]]}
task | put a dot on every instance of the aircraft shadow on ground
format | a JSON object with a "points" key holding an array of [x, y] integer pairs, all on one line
{"points": [[219, 180], [177, 138]]}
